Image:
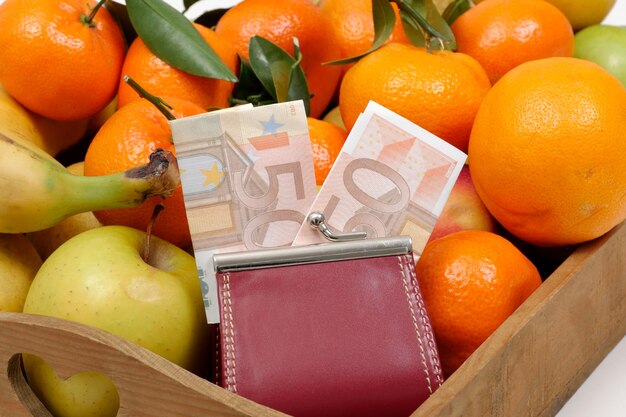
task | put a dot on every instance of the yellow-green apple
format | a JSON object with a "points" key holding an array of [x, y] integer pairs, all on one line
{"points": [[100, 278], [48, 240], [583, 13], [19, 262], [334, 117], [464, 210], [606, 46]]}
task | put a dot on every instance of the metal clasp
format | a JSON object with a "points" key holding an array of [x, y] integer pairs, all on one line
{"points": [[346, 246], [317, 221]]}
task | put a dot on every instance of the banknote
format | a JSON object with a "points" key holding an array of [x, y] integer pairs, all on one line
{"points": [[391, 178], [248, 181]]}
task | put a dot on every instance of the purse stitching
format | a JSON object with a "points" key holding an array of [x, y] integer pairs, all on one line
{"points": [[415, 325], [217, 355], [228, 336], [427, 327]]}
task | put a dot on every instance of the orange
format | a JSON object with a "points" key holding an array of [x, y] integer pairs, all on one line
{"points": [[280, 21], [126, 140], [439, 91], [471, 282], [353, 25], [326, 143], [161, 79], [55, 64], [501, 34], [547, 151]]}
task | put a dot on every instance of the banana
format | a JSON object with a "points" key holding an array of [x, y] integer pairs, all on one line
{"points": [[37, 192], [50, 135], [48, 240]]}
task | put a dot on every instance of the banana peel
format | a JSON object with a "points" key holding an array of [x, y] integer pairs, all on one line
{"points": [[48, 240], [52, 136]]}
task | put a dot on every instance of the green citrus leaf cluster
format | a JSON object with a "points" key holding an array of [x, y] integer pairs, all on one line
{"points": [[271, 75], [421, 21]]}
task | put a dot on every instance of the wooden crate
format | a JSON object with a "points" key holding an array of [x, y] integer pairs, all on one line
{"points": [[529, 367]]}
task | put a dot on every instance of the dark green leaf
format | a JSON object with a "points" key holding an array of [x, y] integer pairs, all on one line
{"points": [[456, 9], [412, 30], [189, 3], [120, 14], [249, 89], [279, 73], [210, 17], [384, 22], [424, 13], [174, 39], [298, 86], [270, 63]]}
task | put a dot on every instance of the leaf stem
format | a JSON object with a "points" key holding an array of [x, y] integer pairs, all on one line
{"points": [[158, 102], [88, 20]]}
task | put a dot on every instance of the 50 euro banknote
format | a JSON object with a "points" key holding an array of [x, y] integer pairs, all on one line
{"points": [[248, 182], [391, 177]]}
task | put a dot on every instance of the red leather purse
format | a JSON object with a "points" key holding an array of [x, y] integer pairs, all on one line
{"points": [[336, 329]]}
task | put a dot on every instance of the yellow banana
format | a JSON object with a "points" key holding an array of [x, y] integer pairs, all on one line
{"points": [[50, 135], [37, 192]]}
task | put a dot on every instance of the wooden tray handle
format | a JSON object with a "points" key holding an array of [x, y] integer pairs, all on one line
{"points": [[148, 385]]}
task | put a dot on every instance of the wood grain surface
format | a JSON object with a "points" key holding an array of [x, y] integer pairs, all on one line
{"points": [[148, 385]]}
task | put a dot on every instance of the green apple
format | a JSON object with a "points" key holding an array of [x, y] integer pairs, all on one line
{"points": [[19, 262], [99, 278], [606, 46]]}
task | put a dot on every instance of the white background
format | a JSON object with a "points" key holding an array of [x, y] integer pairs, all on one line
{"points": [[603, 394]]}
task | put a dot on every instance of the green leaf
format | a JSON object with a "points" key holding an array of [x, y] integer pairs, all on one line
{"points": [[424, 13], [456, 9], [280, 74], [298, 86], [249, 89], [412, 30], [120, 13], [174, 39], [210, 18], [384, 22], [188, 3]]}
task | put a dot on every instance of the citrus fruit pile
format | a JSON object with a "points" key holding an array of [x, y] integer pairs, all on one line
{"points": [[543, 130]]}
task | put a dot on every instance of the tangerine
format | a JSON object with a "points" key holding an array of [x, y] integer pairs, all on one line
{"points": [[326, 143], [353, 26], [126, 140], [501, 34], [55, 61], [280, 21], [163, 80], [439, 91], [471, 282], [547, 150]]}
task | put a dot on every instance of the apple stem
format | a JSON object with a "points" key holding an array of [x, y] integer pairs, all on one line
{"points": [[146, 248], [88, 20], [158, 102]]}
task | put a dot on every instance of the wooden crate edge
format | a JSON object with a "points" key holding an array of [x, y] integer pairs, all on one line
{"points": [[536, 359]]}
